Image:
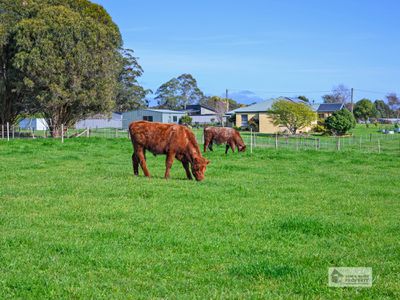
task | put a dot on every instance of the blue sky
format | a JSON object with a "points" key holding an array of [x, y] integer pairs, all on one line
{"points": [[261, 49]]}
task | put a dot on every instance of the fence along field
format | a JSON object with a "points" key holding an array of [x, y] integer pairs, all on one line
{"points": [[360, 142]]}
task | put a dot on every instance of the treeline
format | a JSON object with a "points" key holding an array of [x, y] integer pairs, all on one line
{"points": [[365, 109], [63, 59], [183, 90]]}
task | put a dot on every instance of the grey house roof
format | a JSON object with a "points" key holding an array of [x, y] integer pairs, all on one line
{"points": [[199, 106], [262, 106], [330, 107], [258, 107], [165, 111]]}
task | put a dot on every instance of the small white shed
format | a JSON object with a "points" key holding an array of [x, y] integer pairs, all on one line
{"points": [[34, 124]]}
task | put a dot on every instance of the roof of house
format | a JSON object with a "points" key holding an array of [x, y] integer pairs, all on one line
{"points": [[257, 107], [262, 106], [198, 106], [330, 107], [165, 111]]}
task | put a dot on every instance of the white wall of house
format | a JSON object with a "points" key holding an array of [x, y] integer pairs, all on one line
{"points": [[34, 124], [206, 111], [204, 119], [162, 116]]}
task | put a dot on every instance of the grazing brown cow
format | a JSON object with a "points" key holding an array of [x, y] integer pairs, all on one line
{"points": [[175, 141], [222, 135]]}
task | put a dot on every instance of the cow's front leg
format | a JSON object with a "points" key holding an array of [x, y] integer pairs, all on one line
{"points": [[185, 164], [226, 149], [205, 145], [142, 160], [232, 145], [168, 164], [135, 163]]}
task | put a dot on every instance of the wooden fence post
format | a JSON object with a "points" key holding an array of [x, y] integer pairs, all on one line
{"points": [[379, 146], [338, 144], [8, 132], [251, 140], [276, 141], [62, 133]]}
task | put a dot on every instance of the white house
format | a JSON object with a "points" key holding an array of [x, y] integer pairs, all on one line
{"points": [[152, 115], [202, 114]]}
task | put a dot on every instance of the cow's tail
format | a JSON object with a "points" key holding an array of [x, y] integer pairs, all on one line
{"points": [[130, 131]]}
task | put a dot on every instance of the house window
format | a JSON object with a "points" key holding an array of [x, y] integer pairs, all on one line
{"points": [[175, 119], [148, 118], [245, 120]]}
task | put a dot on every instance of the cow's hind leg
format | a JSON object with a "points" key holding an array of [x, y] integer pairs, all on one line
{"points": [[142, 160], [135, 163], [168, 164], [185, 164], [226, 149]]}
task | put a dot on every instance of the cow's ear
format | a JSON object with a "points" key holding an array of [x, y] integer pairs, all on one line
{"points": [[207, 161]]}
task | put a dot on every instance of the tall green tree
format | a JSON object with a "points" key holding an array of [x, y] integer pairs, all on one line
{"points": [[12, 95], [364, 109], [292, 115], [131, 95], [62, 58], [214, 102], [178, 92]]}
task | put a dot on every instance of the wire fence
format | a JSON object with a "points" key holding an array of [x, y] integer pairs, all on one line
{"points": [[365, 143]]}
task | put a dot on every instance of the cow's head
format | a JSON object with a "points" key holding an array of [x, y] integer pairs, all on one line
{"points": [[199, 167], [242, 148]]}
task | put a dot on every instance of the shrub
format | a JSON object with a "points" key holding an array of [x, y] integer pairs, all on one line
{"points": [[340, 122], [254, 124], [320, 126], [185, 120]]}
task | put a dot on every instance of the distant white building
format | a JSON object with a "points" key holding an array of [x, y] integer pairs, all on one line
{"points": [[151, 115], [101, 121], [34, 124], [202, 114]]}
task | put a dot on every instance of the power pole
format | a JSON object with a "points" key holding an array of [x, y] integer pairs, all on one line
{"points": [[226, 99], [352, 94]]}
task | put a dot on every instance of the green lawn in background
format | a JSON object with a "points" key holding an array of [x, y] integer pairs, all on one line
{"points": [[75, 223]]}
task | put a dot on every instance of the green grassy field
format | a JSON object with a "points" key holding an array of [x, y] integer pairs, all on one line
{"points": [[75, 223]]}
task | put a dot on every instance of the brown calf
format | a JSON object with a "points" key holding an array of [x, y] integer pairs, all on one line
{"points": [[223, 135], [175, 141]]}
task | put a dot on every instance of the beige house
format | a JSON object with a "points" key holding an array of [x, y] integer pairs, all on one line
{"points": [[259, 111]]}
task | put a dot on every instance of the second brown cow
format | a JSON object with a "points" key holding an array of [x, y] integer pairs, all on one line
{"points": [[223, 135]]}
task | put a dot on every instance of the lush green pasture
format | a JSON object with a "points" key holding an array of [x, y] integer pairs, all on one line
{"points": [[75, 223]]}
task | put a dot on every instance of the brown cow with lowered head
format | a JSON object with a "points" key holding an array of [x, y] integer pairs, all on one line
{"points": [[175, 141], [223, 135]]}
